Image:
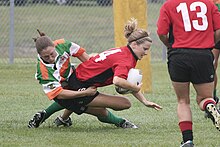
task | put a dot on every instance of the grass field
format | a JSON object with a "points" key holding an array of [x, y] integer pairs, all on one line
{"points": [[21, 96]]}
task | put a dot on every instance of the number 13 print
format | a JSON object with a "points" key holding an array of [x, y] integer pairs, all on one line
{"points": [[188, 24]]}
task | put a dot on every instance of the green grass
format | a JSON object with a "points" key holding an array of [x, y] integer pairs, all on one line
{"points": [[21, 96]]}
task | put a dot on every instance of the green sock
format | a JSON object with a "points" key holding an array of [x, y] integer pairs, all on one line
{"points": [[54, 107], [111, 119], [214, 93]]}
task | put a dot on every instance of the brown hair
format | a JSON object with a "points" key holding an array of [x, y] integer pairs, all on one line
{"points": [[132, 33], [42, 42]]}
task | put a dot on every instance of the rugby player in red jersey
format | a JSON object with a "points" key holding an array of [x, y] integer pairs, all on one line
{"points": [[216, 51], [109, 67], [195, 27]]}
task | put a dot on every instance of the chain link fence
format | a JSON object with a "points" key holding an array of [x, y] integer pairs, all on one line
{"points": [[88, 23]]}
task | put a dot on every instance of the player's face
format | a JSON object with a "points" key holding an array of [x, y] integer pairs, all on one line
{"points": [[49, 54], [142, 49]]}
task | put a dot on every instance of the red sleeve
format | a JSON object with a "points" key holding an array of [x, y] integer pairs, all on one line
{"points": [[163, 22], [121, 71], [122, 67], [216, 16], [123, 63]]}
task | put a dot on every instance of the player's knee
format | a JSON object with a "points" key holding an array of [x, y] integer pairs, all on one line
{"points": [[126, 104], [103, 112], [183, 101]]}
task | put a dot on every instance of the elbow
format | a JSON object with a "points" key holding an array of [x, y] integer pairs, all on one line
{"points": [[217, 35], [116, 81], [163, 37], [123, 105]]}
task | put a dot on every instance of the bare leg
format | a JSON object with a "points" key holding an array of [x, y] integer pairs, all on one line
{"points": [[183, 107], [101, 102], [110, 101], [204, 93], [105, 116], [183, 110], [206, 102], [216, 57], [66, 114], [98, 108]]}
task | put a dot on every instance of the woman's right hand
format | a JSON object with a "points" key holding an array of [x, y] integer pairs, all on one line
{"points": [[90, 91]]}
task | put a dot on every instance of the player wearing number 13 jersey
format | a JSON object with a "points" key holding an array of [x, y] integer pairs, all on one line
{"points": [[192, 21], [195, 26]]}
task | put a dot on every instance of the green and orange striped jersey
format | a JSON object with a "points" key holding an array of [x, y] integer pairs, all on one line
{"points": [[50, 76]]}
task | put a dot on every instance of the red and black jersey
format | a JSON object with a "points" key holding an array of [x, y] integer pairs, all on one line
{"points": [[193, 22], [100, 70]]}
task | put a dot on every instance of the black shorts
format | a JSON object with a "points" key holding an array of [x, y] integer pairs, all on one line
{"points": [[77, 105], [191, 65]]}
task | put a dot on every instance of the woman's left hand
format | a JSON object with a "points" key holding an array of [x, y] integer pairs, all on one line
{"points": [[153, 105]]}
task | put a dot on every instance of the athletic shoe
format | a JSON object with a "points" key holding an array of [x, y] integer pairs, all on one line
{"points": [[207, 115], [214, 115], [126, 124], [60, 122], [217, 104], [189, 143], [38, 119]]}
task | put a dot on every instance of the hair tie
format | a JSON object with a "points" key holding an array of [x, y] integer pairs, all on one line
{"points": [[41, 34]]}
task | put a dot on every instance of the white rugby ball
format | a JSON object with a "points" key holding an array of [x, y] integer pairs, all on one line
{"points": [[134, 77]]}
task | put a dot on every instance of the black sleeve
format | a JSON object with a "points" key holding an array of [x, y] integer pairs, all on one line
{"points": [[171, 37]]}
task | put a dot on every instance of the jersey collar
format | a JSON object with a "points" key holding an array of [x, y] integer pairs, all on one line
{"points": [[132, 52], [46, 63]]}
